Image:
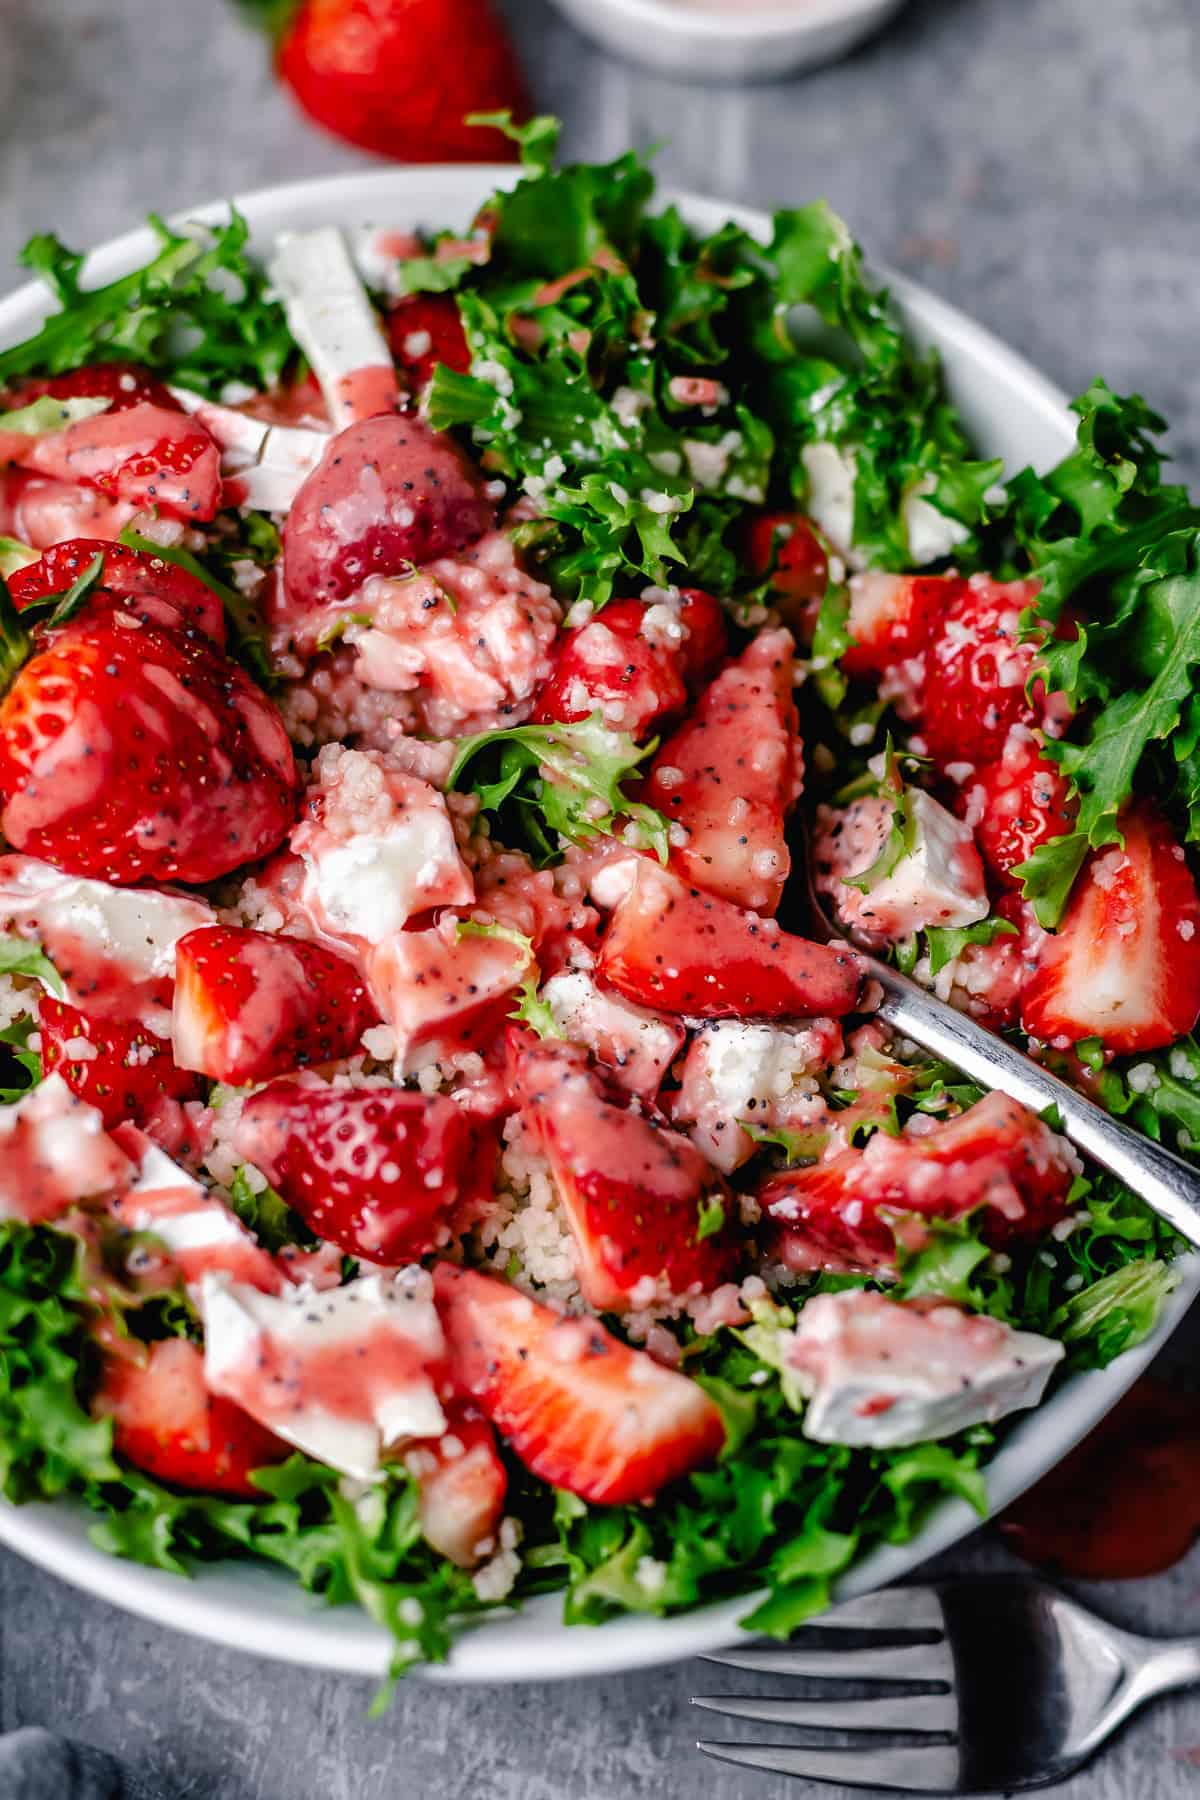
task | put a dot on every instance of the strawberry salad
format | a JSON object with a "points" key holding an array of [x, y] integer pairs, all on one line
{"points": [[433, 1156]]}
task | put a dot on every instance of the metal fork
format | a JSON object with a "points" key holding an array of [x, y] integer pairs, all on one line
{"points": [[1007, 1685], [1169, 1185]]}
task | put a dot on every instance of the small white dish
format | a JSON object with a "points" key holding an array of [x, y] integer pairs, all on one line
{"points": [[725, 40], [1010, 411]]}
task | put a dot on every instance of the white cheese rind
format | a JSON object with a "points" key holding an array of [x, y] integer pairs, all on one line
{"points": [[265, 464], [293, 1333], [878, 1374], [329, 313]]}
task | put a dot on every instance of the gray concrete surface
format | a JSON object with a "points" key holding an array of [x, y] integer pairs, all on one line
{"points": [[1033, 161]]}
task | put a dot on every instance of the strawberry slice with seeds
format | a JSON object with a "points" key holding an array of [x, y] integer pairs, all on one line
{"points": [[462, 1485], [1016, 804], [671, 947], [731, 775], [132, 574], [847, 1212], [977, 669], [894, 617], [423, 331], [580, 1409], [166, 1423], [133, 750], [633, 662], [145, 455], [634, 1192], [251, 1004], [124, 1071], [122, 384], [377, 1171], [1124, 964]]}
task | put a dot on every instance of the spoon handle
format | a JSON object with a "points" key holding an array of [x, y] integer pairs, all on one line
{"points": [[1168, 1185]]}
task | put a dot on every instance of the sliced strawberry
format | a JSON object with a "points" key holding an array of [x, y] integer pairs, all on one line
{"points": [[122, 384], [977, 668], [131, 574], [121, 1069], [145, 455], [893, 617], [374, 1170], [581, 1410], [1015, 804], [166, 1423], [707, 640], [134, 750], [670, 946], [443, 993], [424, 330], [633, 1192], [633, 663], [250, 1004], [997, 1155], [801, 572], [462, 1484], [1124, 965], [41, 513], [611, 667], [731, 775], [426, 501]]}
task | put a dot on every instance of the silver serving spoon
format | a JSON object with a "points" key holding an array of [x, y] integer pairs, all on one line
{"points": [[1169, 1185]]}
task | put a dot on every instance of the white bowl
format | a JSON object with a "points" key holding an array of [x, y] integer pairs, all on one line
{"points": [[723, 40], [1011, 412]]}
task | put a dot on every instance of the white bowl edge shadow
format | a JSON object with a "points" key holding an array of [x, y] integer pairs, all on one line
{"points": [[1010, 411]]}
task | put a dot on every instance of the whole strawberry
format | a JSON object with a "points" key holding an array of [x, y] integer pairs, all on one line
{"points": [[399, 77], [133, 750]]}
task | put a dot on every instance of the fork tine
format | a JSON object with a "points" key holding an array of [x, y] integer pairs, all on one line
{"points": [[905, 1770], [893, 1712], [891, 1662]]}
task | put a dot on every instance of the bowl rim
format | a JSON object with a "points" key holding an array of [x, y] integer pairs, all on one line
{"points": [[758, 23], [260, 1610]]}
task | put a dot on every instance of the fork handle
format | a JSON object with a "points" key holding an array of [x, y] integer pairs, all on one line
{"points": [[1168, 1185]]}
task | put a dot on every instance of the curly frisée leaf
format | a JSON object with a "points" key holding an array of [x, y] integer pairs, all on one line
{"points": [[199, 308], [565, 781]]}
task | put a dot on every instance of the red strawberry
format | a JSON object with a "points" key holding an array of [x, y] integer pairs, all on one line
{"points": [[132, 574], [997, 1155], [462, 1485], [581, 1410], [166, 1423], [423, 331], [801, 573], [426, 501], [1124, 964], [631, 663], [976, 671], [1016, 804], [376, 1171], [126, 1073], [399, 77], [249, 1004], [730, 776], [145, 455], [893, 617], [633, 1191], [134, 750], [122, 384], [671, 947]]}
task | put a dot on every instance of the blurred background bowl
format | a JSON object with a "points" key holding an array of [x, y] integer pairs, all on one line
{"points": [[723, 40]]}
